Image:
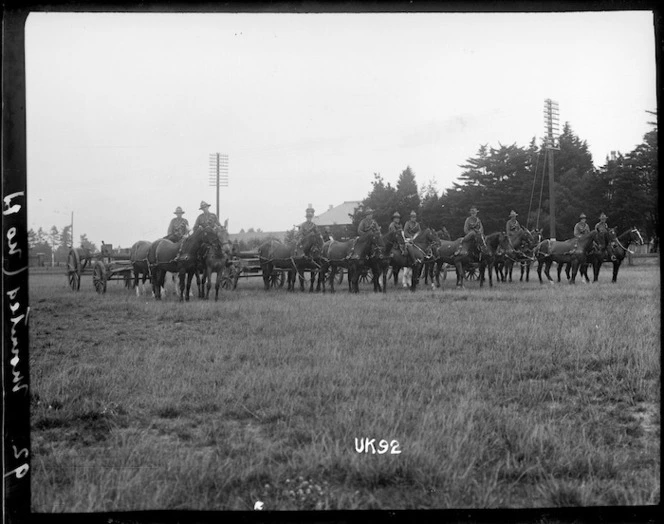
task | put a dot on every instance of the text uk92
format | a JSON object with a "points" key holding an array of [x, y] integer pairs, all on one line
{"points": [[367, 445]]}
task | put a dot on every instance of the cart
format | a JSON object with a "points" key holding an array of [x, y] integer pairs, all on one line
{"points": [[108, 264]]}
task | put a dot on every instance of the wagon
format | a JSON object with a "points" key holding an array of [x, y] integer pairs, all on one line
{"points": [[108, 264]]}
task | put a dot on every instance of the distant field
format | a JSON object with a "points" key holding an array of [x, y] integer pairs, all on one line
{"points": [[520, 395]]}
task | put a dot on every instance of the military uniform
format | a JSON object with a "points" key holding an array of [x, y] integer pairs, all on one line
{"points": [[411, 228], [473, 224], [367, 224], [602, 226], [581, 228], [512, 226], [394, 226], [206, 219], [178, 228], [307, 227]]}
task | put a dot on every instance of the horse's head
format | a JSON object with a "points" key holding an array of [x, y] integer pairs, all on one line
{"points": [[312, 244]]}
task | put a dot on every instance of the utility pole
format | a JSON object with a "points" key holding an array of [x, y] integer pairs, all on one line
{"points": [[218, 174], [551, 130]]}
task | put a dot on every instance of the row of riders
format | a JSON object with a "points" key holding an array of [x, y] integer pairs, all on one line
{"points": [[207, 250]]}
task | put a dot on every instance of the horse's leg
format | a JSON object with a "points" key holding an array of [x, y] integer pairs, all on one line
{"points": [[547, 270], [616, 268], [575, 269], [217, 283], [208, 281], [459, 272]]}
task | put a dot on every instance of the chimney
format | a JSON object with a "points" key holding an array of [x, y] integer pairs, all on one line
{"points": [[330, 207]]}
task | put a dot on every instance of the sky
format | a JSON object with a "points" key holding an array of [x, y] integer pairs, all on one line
{"points": [[125, 109]]}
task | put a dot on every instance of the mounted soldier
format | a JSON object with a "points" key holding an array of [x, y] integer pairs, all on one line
{"points": [[602, 226], [512, 227], [473, 223], [367, 223], [411, 228], [395, 225], [206, 218], [581, 227], [306, 228], [179, 226]]}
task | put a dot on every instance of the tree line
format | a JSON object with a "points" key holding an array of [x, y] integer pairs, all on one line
{"points": [[54, 245], [499, 179]]}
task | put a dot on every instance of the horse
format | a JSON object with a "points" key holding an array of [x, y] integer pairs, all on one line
{"points": [[381, 257], [138, 256], [181, 258], [496, 245], [430, 264], [359, 257], [217, 259], [295, 257], [465, 250], [538, 236], [574, 251], [335, 255], [617, 249], [416, 254], [518, 244]]}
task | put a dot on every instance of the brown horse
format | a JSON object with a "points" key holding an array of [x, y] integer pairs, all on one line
{"points": [[574, 251], [296, 257], [381, 257], [617, 249], [140, 266], [528, 259], [461, 252], [518, 247], [417, 252], [217, 260], [334, 256], [359, 257], [497, 245], [181, 258]]}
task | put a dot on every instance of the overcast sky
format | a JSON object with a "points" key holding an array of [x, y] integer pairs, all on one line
{"points": [[123, 110]]}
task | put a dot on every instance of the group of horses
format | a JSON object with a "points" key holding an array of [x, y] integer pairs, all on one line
{"points": [[208, 251], [427, 253]]}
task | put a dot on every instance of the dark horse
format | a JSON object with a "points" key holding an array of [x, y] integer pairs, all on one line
{"points": [[574, 251], [337, 255], [360, 257], [381, 257], [181, 258], [466, 250], [417, 253], [538, 236], [430, 264], [217, 260], [518, 250], [617, 249], [496, 246], [140, 266], [296, 258]]}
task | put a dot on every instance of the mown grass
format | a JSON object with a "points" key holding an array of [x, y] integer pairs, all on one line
{"points": [[517, 396]]}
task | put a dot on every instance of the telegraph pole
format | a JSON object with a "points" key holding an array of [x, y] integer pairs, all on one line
{"points": [[551, 130], [218, 174]]}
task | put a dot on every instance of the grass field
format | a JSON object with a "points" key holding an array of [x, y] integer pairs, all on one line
{"points": [[522, 395]]}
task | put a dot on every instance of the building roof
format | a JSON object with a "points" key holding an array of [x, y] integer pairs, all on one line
{"points": [[337, 215]]}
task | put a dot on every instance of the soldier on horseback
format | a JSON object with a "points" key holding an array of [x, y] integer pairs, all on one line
{"points": [[306, 228], [206, 218], [602, 226], [367, 223], [411, 228], [473, 223], [395, 225], [178, 228], [512, 227]]}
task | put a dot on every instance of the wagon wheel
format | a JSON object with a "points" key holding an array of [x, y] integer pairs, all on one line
{"points": [[74, 270], [277, 279], [471, 272], [364, 276], [226, 282], [99, 277]]}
